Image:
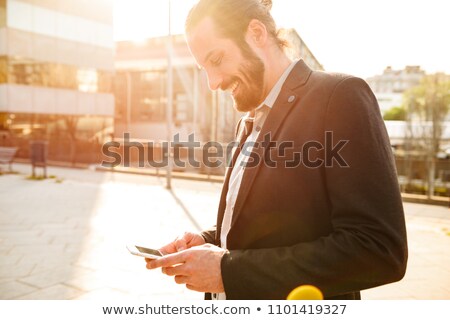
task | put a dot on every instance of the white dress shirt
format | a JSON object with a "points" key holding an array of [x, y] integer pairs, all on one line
{"points": [[261, 113]]}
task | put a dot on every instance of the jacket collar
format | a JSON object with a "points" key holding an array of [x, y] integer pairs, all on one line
{"points": [[287, 98], [299, 75]]}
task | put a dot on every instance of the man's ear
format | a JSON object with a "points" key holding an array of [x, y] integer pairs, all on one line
{"points": [[257, 33]]}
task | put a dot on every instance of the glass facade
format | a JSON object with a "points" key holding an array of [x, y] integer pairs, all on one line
{"points": [[56, 71], [3, 69], [62, 25], [63, 132], [2, 13], [53, 75], [147, 93]]}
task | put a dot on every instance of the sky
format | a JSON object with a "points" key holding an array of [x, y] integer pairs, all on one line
{"points": [[359, 37]]}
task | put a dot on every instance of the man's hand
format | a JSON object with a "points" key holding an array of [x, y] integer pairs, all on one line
{"points": [[197, 267], [186, 241]]}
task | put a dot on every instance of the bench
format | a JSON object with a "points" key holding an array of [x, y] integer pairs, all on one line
{"points": [[7, 156]]}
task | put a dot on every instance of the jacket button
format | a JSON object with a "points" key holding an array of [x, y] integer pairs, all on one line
{"points": [[291, 98]]}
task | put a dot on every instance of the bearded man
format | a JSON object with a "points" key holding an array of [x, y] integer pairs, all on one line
{"points": [[334, 219]]}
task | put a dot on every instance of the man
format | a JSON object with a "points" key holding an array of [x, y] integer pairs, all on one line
{"points": [[334, 219]]}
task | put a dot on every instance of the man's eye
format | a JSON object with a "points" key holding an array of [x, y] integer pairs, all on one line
{"points": [[216, 62]]}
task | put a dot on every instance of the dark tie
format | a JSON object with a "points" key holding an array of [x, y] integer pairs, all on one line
{"points": [[248, 123], [248, 126]]}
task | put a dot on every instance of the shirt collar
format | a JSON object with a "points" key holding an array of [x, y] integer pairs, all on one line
{"points": [[273, 94], [268, 103]]}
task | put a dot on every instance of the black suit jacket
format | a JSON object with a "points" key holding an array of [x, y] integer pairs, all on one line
{"points": [[338, 225]]}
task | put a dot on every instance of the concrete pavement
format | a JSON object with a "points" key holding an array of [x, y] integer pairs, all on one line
{"points": [[65, 238]]}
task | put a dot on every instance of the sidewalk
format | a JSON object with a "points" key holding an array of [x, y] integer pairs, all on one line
{"points": [[65, 238]]}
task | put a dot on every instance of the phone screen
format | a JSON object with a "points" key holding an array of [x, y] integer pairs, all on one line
{"points": [[149, 251]]}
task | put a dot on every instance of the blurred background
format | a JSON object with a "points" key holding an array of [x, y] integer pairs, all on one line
{"points": [[76, 74]]}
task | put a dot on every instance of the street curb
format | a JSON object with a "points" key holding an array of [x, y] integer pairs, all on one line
{"points": [[418, 198], [162, 174]]}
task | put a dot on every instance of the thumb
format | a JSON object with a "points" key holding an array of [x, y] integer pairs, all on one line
{"points": [[180, 244]]}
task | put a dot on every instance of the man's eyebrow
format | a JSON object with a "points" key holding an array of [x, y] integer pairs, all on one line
{"points": [[209, 54]]}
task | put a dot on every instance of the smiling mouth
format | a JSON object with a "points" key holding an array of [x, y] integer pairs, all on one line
{"points": [[234, 86]]}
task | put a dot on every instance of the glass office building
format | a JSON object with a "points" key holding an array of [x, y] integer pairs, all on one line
{"points": [[140, 89], [141, 94], [56, 69]]}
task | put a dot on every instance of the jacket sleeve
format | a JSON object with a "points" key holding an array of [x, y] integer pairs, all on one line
{"points": [[367, 246], [209, 235]]}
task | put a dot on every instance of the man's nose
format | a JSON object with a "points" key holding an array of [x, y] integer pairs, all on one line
{"points": [[214, 80]]}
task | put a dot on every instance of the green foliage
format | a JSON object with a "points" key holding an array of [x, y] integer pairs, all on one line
{"points": [[423, 189], [395, 113], [429, 105], [431, 99], [9, 172], [35, 178]]}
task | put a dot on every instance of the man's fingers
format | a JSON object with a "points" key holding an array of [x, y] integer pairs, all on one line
{"points": [[191, 287], [181, 279], [169, 248], [176, 245], [181, 244], [188, 236], [148, 263], [168, 260], [181, 270]]}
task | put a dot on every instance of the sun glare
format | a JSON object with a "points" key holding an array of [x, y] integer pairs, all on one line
{"points": [[148, 19], [137, 20], [346, 36]]}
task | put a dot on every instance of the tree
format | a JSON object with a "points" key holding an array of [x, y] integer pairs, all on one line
{"points": [[395, 113], [427, 107]]}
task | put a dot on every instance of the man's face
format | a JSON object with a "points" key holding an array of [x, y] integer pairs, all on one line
{"points": [[228, 66]]}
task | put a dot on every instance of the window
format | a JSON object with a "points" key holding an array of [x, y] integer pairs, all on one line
{"points": [[2, 13], [53, 75]]}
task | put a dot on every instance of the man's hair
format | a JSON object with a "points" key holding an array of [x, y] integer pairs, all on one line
{"points": [[232, 17]]}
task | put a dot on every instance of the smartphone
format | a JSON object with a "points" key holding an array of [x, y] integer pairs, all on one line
{"points": [[144, 252]]}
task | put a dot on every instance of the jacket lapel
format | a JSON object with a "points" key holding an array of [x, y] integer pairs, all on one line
{"points": [[286, 100]]}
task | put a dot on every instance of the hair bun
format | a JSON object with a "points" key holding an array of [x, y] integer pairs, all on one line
{"points": [[267, 4]]}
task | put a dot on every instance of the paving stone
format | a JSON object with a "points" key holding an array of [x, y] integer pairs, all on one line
{"points": [[10, 260], [56, 292], [13, 289], [5, 249], [16, 241], [88, 282], [51, 277], [71, 244], [16, 271], [11, 233], [39, 248]]}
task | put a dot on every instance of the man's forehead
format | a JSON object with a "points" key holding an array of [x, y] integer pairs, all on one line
{"points": [[203, 40], [205, 27]]}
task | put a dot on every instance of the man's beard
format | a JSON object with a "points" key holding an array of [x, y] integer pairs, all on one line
{"points": [[250, 91]]}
